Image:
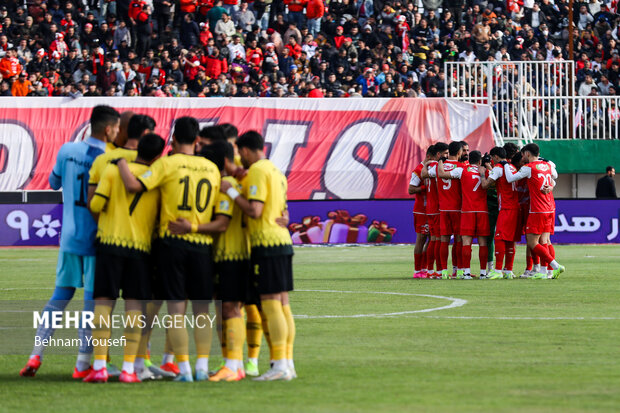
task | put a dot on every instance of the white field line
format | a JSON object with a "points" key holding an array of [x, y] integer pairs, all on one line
{"points": [[455, 302]]}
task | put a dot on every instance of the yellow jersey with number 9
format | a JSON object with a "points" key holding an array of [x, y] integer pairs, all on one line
{"points": [[265, 183], [189, 185]]}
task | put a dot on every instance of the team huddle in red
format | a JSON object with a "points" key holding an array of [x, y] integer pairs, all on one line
{"points": [[451, 200]]}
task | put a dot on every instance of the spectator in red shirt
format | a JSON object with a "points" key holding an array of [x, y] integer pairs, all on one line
{"points": [[294, 48], [314, 12], [215, 64]]}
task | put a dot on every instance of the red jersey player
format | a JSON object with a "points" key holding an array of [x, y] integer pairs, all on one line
{"points": [[474, 211], [541, 219], [449, 209], [508, 227], [417, 188], [433, 251]]}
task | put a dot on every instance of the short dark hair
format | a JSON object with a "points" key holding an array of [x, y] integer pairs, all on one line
{"points": [[215, 133], [252, 140], [609, 169], [516, 158], [230, 131], [185, 130], [454, 148], [531, 148], [511, 149], [440, 147], [151, 146], [497, 151], [475, 157], [216, 153], [463, 144], [102, 116], [430, 149], [138, 124]]}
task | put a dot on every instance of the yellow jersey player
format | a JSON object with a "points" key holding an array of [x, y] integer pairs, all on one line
{"points": [[232, 262], [136, 127], [188, 185], [125, 229], [264, 202]]}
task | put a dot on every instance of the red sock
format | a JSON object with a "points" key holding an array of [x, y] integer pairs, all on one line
{"points": [[551, 254], [459, 254], [483, 255], [423, 260], [541, 251], [430, 256], [535, 257], [417, 259], [510, 255], [465, 256], [454, 257], [438, 255], [444, 255], [529, 262], [500, 251]]}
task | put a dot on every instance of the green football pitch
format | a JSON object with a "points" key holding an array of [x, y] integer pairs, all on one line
{"points": [[369, 338]]}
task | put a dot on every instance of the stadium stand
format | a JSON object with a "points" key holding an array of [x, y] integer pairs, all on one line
{"points": [[290, 48]]}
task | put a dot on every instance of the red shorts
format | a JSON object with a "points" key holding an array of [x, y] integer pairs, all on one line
{"points": [[524, 211], [540, 222], [450, 222], [434, 227], [420, 223], [475, 224], [509, 227]]}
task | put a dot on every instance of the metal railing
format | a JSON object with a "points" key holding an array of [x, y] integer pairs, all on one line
{"points": [[572, 117], [507, 86]]}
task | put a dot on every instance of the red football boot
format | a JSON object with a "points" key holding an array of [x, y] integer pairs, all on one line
{"points": [[97, 376], [30, 369]]}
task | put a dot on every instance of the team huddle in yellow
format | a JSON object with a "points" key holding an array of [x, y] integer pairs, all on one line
{"points": [[205, 221]]}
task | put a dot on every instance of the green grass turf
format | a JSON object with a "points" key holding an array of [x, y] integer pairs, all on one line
{"points": [[517, 345]]}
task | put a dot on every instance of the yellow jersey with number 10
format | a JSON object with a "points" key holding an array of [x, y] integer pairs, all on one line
{"points": [[189, 186]]}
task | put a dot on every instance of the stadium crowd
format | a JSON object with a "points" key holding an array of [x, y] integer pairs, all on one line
{"points": [[289, 48]]}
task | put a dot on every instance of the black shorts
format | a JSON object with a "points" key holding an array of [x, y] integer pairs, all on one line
{"points": [[231, 280], [128, 272], [273, 274], [184, 273]]}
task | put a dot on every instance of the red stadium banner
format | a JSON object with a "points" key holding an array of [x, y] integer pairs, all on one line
{"points": [[328, 148]]}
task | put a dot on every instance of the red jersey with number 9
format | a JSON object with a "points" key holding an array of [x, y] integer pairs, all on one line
{"points": [[540, 175], [449, 189]]}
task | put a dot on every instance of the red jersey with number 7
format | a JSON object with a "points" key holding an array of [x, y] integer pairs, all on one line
{"points": [[474, 197]]}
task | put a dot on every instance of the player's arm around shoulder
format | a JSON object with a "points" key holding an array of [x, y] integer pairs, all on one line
{"points": [[134, 184], [252, 207], [488, 179], [524, 172], [101, 193]]}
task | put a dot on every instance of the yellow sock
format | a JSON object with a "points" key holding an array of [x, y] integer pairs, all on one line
{"points": [[290, 339], [179, 340], [101, 332], [278, 328], [235, 337], [265, 327], [221, 327], [254, 330], [168, 343], [145, 337], [132, 335], [202, 335]]}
